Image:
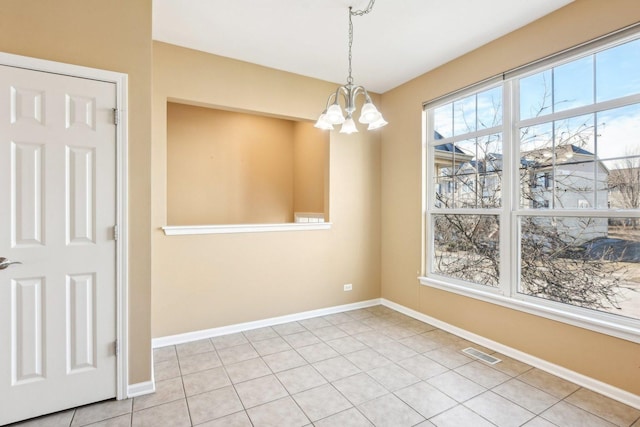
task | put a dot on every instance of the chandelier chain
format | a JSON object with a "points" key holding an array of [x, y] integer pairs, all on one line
{"points": [[364, 11], [355, 13]]}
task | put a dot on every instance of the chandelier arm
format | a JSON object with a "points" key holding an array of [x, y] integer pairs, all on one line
{"points": [[331, 96], [345, 92], [367, 98], [355, 91]]}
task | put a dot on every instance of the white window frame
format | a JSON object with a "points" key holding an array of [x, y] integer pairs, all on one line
{"points": [[509, 214]]}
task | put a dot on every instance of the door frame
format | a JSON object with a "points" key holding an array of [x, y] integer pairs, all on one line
{"points": [[122, 283]]}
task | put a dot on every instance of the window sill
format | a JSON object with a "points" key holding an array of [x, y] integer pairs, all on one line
{"points": [[620, 330], [184, 230]]}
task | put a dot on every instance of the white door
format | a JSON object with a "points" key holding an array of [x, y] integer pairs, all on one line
{"points": [[57, 217]]}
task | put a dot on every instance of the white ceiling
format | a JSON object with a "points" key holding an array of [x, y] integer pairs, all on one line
{"points": [[397, 41]]}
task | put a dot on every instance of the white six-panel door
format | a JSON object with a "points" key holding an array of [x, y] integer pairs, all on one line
{"points": [[57, 213]]}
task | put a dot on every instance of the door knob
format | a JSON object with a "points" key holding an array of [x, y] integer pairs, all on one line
{"points": [[4, 263]]}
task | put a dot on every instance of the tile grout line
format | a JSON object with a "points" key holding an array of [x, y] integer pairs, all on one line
{"points": [[184, 390], [353, 406], [233, 384]]}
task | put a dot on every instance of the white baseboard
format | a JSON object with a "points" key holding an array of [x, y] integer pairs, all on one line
{"points": [[567, 374], [140, 389], [240, 327]]}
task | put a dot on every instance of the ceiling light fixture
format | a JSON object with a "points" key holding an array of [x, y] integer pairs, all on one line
{"points": [[369, 114]]}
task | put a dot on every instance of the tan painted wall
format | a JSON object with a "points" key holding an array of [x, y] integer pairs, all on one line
{"points": [[310, 168], [604, 358], [208, 281], [225, 167], [112, 35]]}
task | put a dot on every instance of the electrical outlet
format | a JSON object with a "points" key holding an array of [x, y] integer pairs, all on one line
{"points": [[348, 287]]}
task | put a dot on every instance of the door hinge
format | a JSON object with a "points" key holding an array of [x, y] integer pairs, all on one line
{"points": [[116, 116], [116, 232], [117, 347]]}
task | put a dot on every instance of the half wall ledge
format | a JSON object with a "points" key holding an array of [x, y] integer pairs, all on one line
{"points": [[183, 230]]}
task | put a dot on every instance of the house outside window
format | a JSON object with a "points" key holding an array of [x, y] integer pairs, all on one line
{"points": [[537, 204]]}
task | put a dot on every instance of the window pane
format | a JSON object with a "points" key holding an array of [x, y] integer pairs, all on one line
{"points": [[574, 166], [490, 108], [580, 185], [536, 166], [489, 164], [443, 121], [573, 84], [536, 142], [619, 132], [558, 168], [574, 137], [444, 170], [535, 95], [623, 183], [467, 248], [586, 262], [464, 115], [617, 71], [466, 174]]}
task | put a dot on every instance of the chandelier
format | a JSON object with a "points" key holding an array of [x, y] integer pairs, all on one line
{"points": [[333, 115]]}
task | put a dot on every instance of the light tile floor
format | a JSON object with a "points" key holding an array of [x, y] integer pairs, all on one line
{"points": [[365, 367]]}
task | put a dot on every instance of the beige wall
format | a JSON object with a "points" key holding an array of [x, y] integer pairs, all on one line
{"points": [[208, 281], [225, 167], [310, 168], [604, 358], [112, 35]]}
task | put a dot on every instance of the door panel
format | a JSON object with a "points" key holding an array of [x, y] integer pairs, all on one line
{"points": [[80, 195], [81, 322], [57, 212], [27, 330], [26, 194]]}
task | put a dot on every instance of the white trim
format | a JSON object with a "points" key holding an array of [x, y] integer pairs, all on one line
{"points": [[122, 254], [146, 387], [605, 389], [240, 327], [183, 230], [140, 389], [122, 269]]}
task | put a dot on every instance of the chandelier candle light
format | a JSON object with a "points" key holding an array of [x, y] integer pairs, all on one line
{"points": [[332, 115]]}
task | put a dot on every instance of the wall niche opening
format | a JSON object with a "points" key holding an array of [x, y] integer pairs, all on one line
{"points": [[231, 168]]}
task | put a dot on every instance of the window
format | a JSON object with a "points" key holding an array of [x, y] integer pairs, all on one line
{"points": [[538, 205]]}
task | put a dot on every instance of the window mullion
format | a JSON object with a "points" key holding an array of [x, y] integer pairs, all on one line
{"points": [[465, 136], [580, 111], [509, 101], [428, 175]]}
